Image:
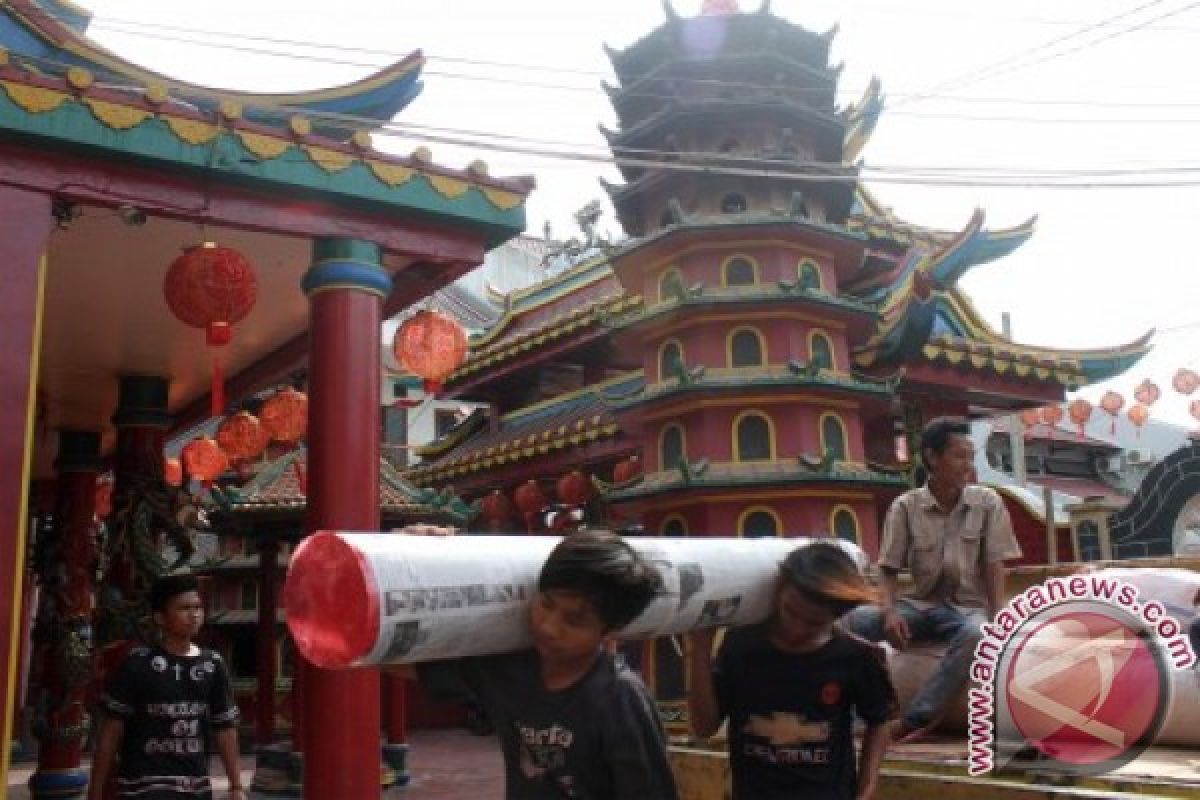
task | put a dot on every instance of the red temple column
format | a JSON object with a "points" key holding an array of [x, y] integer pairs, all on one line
{"points": [[65, 560], [268, 569], [25, 223], [346, 286], [143, 509]]}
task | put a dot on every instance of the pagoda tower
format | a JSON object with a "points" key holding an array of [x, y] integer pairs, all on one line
{"points": [[737, 195]]}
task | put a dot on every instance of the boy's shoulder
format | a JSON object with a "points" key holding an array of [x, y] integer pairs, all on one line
{"points": [[855, 646]]}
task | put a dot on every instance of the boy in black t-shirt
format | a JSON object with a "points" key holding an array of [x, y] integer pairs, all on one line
{"points": [[164, 704], [572, 723], [790, 686]]}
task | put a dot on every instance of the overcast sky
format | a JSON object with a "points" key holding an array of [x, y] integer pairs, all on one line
{"points": [[1105, 265]]}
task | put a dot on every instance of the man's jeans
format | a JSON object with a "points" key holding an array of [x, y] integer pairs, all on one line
{"points": [[940, 623]]}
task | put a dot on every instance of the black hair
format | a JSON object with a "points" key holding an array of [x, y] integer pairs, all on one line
{"points": [[827, 576], [169, 586], [936, 435], [613, 577]]}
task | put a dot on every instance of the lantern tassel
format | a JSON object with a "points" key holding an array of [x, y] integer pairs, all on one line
{"points": [[217, 391]]}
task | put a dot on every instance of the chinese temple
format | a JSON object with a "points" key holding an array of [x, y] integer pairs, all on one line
{"points": [[141, 218], [759, 355]]}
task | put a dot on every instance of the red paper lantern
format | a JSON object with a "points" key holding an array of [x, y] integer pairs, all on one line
{"points": [[627, 470], [204, 460], [284, 417], [242, 437], [1080, 411], [1051, 415], [530, 502], [1147, 393], [172, 471], [1139, 414], [1112, 402], [1185, 381], [1031, 417], [431, 346], [496, 510], [574, 488], [211, 287]]}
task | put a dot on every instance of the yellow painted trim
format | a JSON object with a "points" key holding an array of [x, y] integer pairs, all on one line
{"points": [[446, 186], [329, 160], [562, 278], [759, 509], [34, 99], [806, 261], [813, 335], [676, 409], [659, 365], [662, 279], [662, 436], [763, 359], [737, 421], [754, 268], [845, 433], [668, 519], [192, 131], [391, 174], [117, 116], [18, 588], [501, 199], [266, 147], [853, 515]]}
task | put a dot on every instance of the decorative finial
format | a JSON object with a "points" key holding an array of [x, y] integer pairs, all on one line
{"points": [[670, 11], [719, 8]]}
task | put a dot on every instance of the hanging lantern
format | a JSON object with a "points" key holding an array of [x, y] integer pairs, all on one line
{"points": [[284, 417], [1139, 414], [1080, 411], [1112, 402], [1185, 381], [1147, 393], [574, 488], [627, 470], [242, 437], [211, 287], [431, 346], [530, 502], [1194, 410], [1031, 418], [496, 510], [203, 460], [172, 471]]}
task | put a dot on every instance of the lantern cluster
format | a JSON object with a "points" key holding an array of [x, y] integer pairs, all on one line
{"points": [[573, 491]]}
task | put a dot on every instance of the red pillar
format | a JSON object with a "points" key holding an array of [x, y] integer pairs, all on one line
{"points": [[346, 286], [268, 561], [25, 223], [65, 563]]}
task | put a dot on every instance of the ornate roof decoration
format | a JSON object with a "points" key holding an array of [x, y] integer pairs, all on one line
{"points": [[572, 420], [75, 110], [719, 8], [277, 488], [55, 31], [861, 120]]}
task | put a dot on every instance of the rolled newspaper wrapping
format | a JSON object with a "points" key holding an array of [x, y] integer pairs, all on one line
{"points": [[355, 599]]}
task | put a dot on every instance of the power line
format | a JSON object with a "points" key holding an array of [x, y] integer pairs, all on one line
{"points": [[984, 72], [593, 89]]}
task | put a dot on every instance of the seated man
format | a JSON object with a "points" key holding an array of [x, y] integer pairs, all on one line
{"points": [[954, 539]]}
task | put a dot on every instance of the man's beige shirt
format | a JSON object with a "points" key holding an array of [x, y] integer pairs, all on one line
{"points": [[946, 550]]}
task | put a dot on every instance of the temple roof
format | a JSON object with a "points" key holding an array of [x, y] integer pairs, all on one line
{"points": [[148, 124], [570, 420], [54, 32], [276, 487]]}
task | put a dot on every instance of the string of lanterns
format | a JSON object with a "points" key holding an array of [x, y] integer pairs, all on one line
{"points": [[1080, 411], [528, 503]]}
